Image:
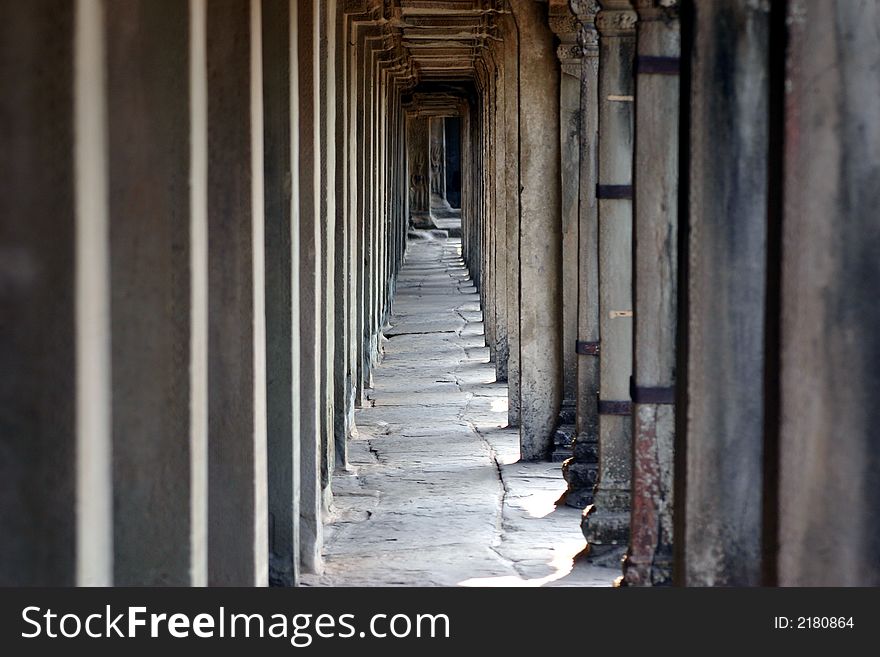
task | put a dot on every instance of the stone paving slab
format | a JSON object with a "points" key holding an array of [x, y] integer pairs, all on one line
{"points": [[436, 495]]}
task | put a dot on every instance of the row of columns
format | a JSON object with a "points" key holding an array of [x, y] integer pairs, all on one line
{"points": [[666, 207], [194, 267], [705, 389]]}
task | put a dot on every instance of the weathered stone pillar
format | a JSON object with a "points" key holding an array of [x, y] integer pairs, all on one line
{"points": [[55, 475], [655, 238], [353, 40], [829, 457], [343, 402], [327, 217], [486, 78], [282, 299], [238, 490], [310, 318], [159, 510], [417, 145], [378, 191], [540, 233], [497, 293], [371, 214], [581, 470], [564, 24], [719, 519], [437, 163], [365, 33], [606, 521], [510, 135], [467, 177], [499, 116]]}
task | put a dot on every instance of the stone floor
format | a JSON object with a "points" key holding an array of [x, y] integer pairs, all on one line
{"points": [[436, 496], [449, 220]]}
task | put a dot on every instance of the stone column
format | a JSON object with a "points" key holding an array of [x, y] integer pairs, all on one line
{"points": [[467, 183], [540, 233], [327, 215], [829, 458], [581, 470], [418, 170], [353, 40], [719, 518], [486, 76], [238, 489], [499, 115], [371, 215], [655, 238], [437, 164], [310, 318], [282, 299], [606, 521], [365, 33], [343, 404], [510, 135], [55, 508], [564, 24], [155, 451]]}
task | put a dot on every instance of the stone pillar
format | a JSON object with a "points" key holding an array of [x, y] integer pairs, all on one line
{"points": [[55, 508], [371, 213], [564, 24], [512, 210], [327, 218], [353, 40], [719, 518], [418, 171], [310, 318], [364, 36], [469, 241], [238, 506], [540, 233], [343, 404], [377, 193], [606, 521], [467, 178], [486, 75], [437, 164], [499, 115], [655, 239], [829, 457], [282, 302], [581, 470], [155, 451]]}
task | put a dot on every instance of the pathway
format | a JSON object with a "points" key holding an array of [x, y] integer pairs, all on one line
{"points": [[436, 496]]}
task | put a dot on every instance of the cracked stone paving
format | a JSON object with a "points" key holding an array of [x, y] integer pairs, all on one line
{"points": [[435, 495]]}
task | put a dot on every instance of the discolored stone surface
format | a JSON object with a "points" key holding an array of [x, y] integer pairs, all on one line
{"points": [[438, 497]]}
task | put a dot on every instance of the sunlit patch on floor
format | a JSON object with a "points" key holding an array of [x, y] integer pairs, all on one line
{"points": [[537, 505], [561, 565]]}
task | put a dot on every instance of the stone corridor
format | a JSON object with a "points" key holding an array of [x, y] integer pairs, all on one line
{"points": [[434, 495], [355, 291]]}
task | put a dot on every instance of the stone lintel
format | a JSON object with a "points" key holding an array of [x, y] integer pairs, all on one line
{"points": [[616, 18], [657, 10]]}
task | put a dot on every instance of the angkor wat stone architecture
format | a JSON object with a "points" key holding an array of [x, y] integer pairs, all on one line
{"points": [[669, 209]]}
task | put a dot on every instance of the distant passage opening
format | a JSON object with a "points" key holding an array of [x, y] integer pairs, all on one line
{"points": [[434, 160], [453, 161]]}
